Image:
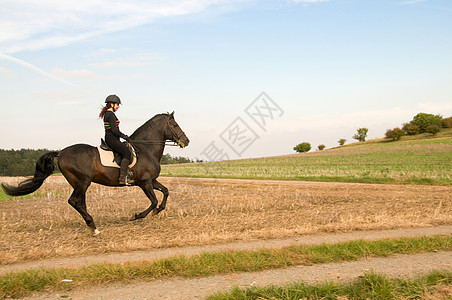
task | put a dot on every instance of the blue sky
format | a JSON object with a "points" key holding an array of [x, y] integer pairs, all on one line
{"points": [[331, 67]]}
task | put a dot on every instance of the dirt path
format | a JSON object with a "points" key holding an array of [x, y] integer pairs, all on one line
{"points": [[178, 288], [400, 265]]}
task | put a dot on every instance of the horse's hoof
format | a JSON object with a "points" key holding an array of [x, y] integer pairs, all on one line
{"points": [[95, 232], [133, 217], [155, 211]]}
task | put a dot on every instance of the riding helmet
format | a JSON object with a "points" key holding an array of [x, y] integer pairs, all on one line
{"points": [[113, 99]]}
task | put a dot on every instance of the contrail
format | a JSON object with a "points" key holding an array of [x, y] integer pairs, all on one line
{"points": [[34, 68]]}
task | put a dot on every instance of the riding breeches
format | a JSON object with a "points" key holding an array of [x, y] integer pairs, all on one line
{"points": [[114, 143]]}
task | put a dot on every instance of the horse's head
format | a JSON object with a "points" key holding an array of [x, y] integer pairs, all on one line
{"points": [[174, 133]]}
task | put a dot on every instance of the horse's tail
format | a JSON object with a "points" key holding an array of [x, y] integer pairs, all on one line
{"points": [[44, 168]]}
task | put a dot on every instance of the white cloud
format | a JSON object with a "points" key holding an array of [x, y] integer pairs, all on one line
{"points": [[135, 61], [105, 51], [71, 103], [413, 2], [32, 25], [444, 108], [395, 116], [309, 1], [78, 74], [34, 68], [6, 73]]}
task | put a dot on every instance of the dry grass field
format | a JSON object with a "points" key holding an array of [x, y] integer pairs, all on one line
{"points": [[208, 211]]}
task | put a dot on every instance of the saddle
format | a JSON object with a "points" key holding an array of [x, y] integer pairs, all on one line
{"points": [[109, 158]]}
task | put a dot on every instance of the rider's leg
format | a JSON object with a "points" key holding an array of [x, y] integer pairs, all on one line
{"points": [[123, 172]]}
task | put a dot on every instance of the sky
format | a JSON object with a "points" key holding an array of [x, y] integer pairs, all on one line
{"points": [[245, 78]]}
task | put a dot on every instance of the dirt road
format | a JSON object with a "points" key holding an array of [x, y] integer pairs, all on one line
{"points": [[400, 265]]}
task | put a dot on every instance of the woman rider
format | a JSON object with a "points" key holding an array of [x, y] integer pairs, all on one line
{"points": [[112, 135]]}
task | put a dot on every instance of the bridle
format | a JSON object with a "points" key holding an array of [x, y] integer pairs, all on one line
{"points": [[173, 131], [178, 141]]}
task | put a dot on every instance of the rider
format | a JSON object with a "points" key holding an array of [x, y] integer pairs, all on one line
{"points": [[112, 135]]}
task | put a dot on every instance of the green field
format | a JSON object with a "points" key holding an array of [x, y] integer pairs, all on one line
{"points": [[409, 161]]}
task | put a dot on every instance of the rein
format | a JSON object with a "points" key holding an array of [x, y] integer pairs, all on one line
{"points": [[153, 142], [178, 141]]}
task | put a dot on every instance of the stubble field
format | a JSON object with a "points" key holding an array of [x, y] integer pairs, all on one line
{"points": [[208, 211]]}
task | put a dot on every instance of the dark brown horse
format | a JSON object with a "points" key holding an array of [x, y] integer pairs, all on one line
{"points": [[80, 165]]}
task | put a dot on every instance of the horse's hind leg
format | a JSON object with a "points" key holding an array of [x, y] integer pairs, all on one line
{"points": [[78, 201], [160, 187], [148, 189]]}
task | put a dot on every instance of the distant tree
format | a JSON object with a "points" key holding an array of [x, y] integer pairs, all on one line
{"points": [[447, 122], [167, 159], [395, 134], [424, 120], [302, 147], [433, 129], [411, 129], [342, 142], [361, 134], [321, 147], [20, 162]]}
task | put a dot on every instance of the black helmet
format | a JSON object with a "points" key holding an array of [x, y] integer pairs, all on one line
{"points": [[113, 99]]}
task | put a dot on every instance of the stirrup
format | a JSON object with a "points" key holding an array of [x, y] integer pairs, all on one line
{"points": [[129, 181]]}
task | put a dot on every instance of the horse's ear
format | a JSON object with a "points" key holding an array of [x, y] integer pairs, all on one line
{"points": [[172, 114]]}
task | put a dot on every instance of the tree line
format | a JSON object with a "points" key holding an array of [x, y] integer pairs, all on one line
{"points": [[23, 162], [19, 162], [421, 123]]}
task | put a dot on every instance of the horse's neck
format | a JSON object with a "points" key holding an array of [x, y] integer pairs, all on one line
{"points": [[152, 132]]}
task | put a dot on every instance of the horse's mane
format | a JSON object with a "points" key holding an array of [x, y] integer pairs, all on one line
{"points": [[146, 127]]}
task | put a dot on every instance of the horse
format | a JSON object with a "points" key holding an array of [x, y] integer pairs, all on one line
{"points": [[80, 164]]}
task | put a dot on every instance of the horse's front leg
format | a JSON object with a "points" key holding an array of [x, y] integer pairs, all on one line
{"points": [[160, 187], [148, 189]]}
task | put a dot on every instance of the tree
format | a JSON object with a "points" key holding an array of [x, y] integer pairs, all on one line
{"points": [[342, 142], [395, 134], [168, 159], [411, 129], [321, 147], [361, 134], [447, 122], [424, 120], [19, 162], [302, 147], [433, 129]]}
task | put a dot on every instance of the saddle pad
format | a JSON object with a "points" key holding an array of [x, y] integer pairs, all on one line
{"points": [[107, 159]]}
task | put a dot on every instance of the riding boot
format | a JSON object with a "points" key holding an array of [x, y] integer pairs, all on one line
{"points": [[123, 171]]}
